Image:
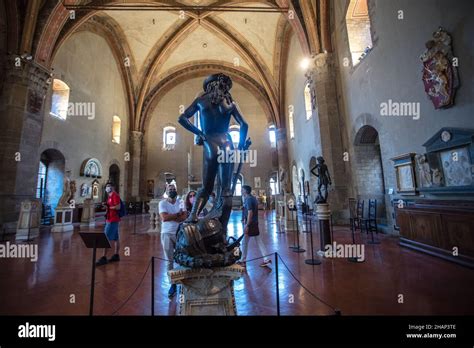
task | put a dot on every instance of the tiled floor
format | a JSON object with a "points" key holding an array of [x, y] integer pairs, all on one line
{"points": [[430, 286]]}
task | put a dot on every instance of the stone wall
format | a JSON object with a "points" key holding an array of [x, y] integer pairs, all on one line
{"points": [[86, 64], [307, 141], [392, 70]]}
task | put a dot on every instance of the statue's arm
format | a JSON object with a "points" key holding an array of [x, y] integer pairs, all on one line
{"points": [[244, 127], [313, 171], [186, 115], [329, 177]]}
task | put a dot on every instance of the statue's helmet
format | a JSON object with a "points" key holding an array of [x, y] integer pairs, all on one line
{"points": [[320, 159], [222, 78]]}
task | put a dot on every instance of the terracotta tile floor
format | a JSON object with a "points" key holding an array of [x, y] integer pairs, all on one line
{"points": [[430, 286]]}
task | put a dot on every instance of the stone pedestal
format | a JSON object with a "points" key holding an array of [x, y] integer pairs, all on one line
{"points": [[155, 221], [206, 291], [88, 213], [324, 214], [63, 220], [29, 220]]}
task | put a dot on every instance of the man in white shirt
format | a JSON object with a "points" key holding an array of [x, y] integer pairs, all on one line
{"points": [[172, 213]]}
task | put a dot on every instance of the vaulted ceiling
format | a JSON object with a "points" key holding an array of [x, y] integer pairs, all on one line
{"points": [[245, 39]]}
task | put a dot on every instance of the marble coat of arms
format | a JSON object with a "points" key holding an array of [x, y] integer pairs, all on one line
{"points": [[440, 76]]}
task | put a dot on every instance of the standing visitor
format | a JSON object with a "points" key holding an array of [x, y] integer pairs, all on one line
{"points": [[189, 201], [251, 230], [112, 220], [171, 213]]}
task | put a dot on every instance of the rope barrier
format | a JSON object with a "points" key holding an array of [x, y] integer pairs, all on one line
{"points": [[254, 259], [130, 296], [304, 287]]}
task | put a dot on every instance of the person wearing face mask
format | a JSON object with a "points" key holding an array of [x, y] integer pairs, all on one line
{"points": [[171, 213], [190, 201], [112, 220]]}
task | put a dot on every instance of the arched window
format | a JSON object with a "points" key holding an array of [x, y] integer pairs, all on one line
{"points": [[273, 186], [358, 30], [272, 136], [169, 137], [59, 99], [41, 183], [307, 102], [291, 123], [116, 127], [234, 132], [238, 186]]}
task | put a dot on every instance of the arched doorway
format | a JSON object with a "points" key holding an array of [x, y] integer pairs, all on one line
{"points": [[368, 169], [114, 176], [49, 187]]}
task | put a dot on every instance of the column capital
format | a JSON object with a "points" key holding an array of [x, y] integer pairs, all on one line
{"points": [[136, 136], [31, 75]]}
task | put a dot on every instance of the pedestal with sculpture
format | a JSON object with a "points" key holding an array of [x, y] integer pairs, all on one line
{"points": [[155, 222], [88, 213], [29, 220], [206, 256], [323, 213], [63, 212]]}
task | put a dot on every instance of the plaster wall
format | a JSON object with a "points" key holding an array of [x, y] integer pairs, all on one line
{"points": [[86, 64]]}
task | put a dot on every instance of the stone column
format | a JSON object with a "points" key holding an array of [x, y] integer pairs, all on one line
{"points": [[284, 176], [283, 161], [136, 142], [21, 107], [322, 79]]}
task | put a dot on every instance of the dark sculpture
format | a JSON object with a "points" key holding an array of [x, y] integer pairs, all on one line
{"points": [[321, 171], [202, 243]]}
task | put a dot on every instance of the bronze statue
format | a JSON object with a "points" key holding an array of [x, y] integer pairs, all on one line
{"points": [[320, 170], [216, 109], [203, 243]]}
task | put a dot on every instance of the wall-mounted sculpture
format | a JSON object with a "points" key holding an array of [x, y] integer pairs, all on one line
{"points": [[440, 75], [448, 165], [91, 167]]}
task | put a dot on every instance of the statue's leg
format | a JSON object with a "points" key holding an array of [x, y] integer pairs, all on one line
{"points": [[325, 192], [209, 171], [225, 177]]}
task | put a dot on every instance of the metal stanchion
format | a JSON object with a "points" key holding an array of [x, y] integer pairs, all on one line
{"points": [[312, 260], [135, 219], [297, 248], [277, 284], [152, 286]]}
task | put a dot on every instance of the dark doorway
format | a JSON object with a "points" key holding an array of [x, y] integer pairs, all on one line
{"points": [[114, 176], [368, 169], [49, 187]]}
